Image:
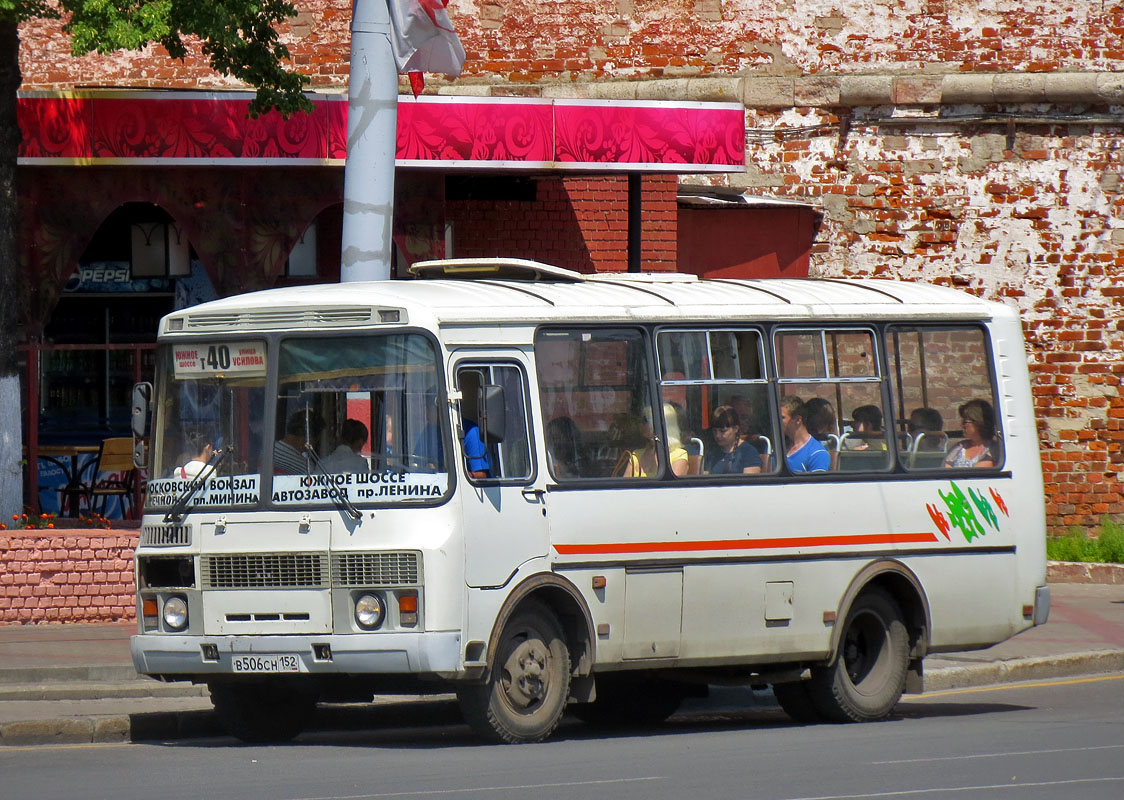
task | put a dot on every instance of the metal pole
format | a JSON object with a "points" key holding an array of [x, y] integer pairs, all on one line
{"points": [[368, 178]]}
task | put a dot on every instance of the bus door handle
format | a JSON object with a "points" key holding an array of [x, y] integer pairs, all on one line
{"points": [[533, 494]]}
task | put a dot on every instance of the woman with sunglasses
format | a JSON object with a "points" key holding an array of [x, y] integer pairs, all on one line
{"points": [[978, 448]]}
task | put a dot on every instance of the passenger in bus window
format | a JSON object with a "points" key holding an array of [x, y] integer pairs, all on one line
{"points": [[346, 457], [563, 448], [752, 425], [644, 463], [197, 463], [926, 430], [867, 429], [289, 457], [804, 452], [978, 448], [729, 455], [476, 458]]}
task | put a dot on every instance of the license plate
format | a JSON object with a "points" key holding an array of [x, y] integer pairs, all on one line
{"points": [[266, 663]]}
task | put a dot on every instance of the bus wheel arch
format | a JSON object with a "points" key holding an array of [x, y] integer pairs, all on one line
{"points": [[881, 634], [562, 599], [541, 640], [904, 587]]}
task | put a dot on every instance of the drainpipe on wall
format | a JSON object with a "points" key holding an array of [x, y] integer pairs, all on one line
{"points": [[368, 175]]}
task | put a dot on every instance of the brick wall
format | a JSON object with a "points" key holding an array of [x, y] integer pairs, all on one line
{"points": [[67, 576], [576, 223], [531, 43]]}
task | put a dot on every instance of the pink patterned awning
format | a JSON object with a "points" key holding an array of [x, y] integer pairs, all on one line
{"points": [[211, 128]]}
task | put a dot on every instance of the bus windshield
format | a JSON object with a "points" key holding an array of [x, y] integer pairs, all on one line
{"points": [[358, 416], [354, 418], [211, 404]]}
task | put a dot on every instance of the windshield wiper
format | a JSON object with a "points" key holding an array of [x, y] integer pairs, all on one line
{"points": [[176, 512], [338, 495]]}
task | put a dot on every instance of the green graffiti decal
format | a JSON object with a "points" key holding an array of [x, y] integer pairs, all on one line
{"points": [[961, 514], [985, 508]]}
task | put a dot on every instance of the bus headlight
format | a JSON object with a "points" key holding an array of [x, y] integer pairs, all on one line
{"points": [[369, 611], [175, 613]]}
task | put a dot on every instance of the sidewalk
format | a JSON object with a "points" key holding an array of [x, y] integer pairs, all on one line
{"points": [[75, 683]]}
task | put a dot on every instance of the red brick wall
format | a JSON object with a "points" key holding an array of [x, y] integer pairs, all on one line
{"points": [[67, 576], [526, 42], [576, 223], [1032, 219]]}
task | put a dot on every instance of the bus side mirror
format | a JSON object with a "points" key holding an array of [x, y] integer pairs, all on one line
{"points": [[493, 414], [141, 417]]}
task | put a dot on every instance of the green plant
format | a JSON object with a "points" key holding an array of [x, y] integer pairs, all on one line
{"points": [[1106, 547], [1112, 541]]}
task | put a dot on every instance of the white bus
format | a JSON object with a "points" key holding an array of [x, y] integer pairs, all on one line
{"points": [[542, 490]]}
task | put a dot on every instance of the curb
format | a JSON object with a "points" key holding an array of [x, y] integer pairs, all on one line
{"points": [[1084, 572], [112, 728], [1014, 670]]}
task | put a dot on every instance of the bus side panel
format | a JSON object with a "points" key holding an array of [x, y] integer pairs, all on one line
{"points": [[971, 604], [760, 564]]}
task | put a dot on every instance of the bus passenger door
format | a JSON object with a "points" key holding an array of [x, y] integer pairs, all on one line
{"points": [[500, 489]]}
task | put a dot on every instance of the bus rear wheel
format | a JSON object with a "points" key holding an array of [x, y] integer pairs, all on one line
{"points": [[261, 712], [867, 677], [526, 692]]}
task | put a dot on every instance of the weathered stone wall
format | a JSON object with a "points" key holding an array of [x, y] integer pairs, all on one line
{"points": [[1005, 181], [536, 42]]}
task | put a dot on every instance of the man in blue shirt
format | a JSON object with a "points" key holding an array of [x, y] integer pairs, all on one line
{"points": [[804, 453], [475, 452]]}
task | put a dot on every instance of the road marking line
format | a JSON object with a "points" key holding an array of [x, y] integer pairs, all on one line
{"points": [[944, 789], [480, 789], [1010, 686], [1000, 755]]}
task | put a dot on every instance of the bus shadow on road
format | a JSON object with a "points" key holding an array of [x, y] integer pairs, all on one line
{"points": [[438, 724]]}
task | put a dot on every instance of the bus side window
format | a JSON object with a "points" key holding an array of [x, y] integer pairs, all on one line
{"points": [[510, 458], [715, 381], [942, 378], [594, 391], [832, 377]]}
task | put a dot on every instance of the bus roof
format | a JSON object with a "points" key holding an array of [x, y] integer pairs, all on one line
{"points": [[522, 292]]}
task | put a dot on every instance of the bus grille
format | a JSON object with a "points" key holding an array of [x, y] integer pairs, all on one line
{"points": [[280, 318], [264, 571], [375, 569], [165, 535]]}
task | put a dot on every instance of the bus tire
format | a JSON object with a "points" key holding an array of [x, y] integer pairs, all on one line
{"points": [[260, 712], [622, 702], [867, 677], [796, 701], [528, 686]]}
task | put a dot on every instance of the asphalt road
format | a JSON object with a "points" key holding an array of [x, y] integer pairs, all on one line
{"points": [[1056, 739]]}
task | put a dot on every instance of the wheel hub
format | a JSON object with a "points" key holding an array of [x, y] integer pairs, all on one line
{"points": [[526, 675]]}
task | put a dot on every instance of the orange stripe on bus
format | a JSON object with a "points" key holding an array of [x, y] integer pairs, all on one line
{"points": [[746, 544]]}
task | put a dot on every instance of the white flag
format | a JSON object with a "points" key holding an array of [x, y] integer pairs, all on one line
{"points": [[423, 39]]}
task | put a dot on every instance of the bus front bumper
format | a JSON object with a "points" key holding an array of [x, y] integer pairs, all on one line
{"points": [[171, 656]]}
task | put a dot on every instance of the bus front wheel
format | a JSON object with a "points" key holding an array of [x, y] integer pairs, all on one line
{"points": [[867, 677], [261, 712], [526, 692]]}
